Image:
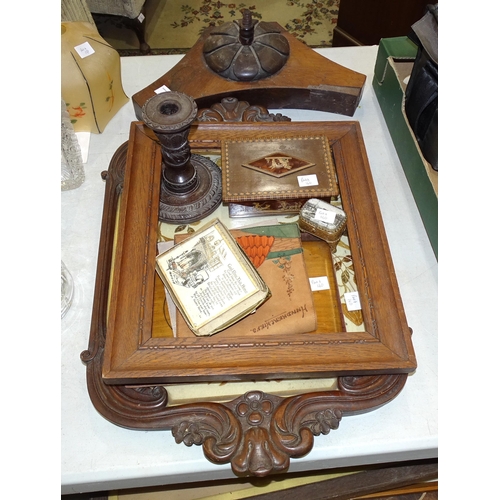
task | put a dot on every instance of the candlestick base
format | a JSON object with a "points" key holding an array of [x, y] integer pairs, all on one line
{"points": [[190, 207]]}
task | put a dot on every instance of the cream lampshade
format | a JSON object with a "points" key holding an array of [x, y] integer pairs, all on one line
{"points": [[91, 83]]}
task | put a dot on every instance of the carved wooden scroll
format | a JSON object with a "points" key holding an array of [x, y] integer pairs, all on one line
{"points": [[257, 433], [231, 109]]}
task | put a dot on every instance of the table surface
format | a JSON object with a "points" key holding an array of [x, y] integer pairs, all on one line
{"points": [[97, 455]]}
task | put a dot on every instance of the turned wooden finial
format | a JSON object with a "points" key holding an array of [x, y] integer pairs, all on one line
{"points": [[246, 28], [246, 50]]}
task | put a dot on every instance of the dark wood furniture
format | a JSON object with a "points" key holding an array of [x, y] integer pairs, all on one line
{"points": [[129, 14], [402, 481], [365, 22], [307, 81], [135, 25]]}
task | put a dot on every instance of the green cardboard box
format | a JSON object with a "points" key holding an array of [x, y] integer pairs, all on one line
{"points": [[392, 70]]}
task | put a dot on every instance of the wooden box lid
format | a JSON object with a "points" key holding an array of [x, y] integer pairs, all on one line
{"points": [[277, 169]]}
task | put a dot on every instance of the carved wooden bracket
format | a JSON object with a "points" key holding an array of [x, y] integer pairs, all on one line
{"points": [[257, 433], [231, 109], [307, 81]]}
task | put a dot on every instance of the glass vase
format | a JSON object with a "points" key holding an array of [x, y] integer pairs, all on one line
{"points": [[67, 288], [72, 171]]}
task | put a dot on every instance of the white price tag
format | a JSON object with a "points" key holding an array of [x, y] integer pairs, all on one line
{"points": [[319, 283], [325, 215], [162, 89], [84, 50], [307, 180], [352, 301]]}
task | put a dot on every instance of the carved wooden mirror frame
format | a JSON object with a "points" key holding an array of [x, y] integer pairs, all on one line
{"points": [[256, 432]]}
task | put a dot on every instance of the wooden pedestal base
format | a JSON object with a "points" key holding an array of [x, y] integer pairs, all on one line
{"points": [[307, 81]]}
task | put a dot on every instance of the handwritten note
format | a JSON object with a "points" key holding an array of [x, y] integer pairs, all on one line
{"points": [[319, 283], [352, 301], [325, 216], [84, 50], [307, 180]]}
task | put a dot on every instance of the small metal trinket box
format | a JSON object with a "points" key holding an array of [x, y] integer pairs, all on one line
{"points": [[323, 220]]}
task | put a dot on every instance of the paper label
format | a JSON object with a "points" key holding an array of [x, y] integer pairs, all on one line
{"points": [[352, 301], [84, 50], [141, 17], [319, 283], [325, 215], [307, 180], [162, 89]]}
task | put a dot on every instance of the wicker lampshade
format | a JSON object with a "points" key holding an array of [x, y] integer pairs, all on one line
{"points": [[90, 77]]}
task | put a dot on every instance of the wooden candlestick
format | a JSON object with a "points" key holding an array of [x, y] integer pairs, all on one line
{"points": [[191, 185]]}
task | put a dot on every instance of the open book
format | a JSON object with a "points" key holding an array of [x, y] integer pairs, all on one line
{"points": [[211, 280]]}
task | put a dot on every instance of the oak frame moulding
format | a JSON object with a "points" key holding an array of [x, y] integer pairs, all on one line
{"points": [[125, 277]]}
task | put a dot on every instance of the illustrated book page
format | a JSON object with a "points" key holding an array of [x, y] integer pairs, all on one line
{"points": [[276, 252], [211, 280]]}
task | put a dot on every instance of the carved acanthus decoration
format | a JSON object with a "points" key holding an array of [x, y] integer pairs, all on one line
{"points": [[257, 433], [231, 109]]}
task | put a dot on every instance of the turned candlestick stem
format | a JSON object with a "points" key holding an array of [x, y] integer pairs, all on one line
{"points": [[191, 184], [170, 115]]}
